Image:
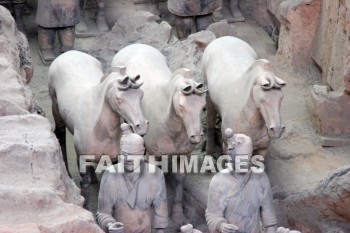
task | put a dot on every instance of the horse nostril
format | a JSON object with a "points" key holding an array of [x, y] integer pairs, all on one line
{"points": [[138, 126]]}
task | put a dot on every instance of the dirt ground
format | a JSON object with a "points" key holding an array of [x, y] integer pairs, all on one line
{"points": [[296, 161]]}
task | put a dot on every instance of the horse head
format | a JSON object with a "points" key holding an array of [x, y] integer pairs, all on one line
{"points": [[267, 95], [189, 102], [124, 97]]}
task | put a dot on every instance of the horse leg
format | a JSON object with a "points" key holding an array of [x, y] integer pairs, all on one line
{"points": [[178, 216], [260, 151], [60, 131], [85, 186], [93, 177], [211, 121], [85, 180]]}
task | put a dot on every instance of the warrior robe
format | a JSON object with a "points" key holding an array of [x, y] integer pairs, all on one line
{"points": [[57, 13], [133, 198], [193, 7], [242, 200]]}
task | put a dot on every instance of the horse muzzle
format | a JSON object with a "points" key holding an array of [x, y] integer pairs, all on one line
{"points": [[141, 128], [275, 132], [195, 139]]}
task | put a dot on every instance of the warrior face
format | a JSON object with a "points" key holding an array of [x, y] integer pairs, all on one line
{"points": [[132, 156], [240, 149], [132, 148]]}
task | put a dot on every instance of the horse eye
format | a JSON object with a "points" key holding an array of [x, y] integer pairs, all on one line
{"points": [[119, 100], [181, 108]]}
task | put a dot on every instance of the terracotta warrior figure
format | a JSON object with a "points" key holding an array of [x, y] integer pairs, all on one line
{"points": [[238, 200], [185, 10], [101, 23], [56, 16], [237, 15], [132, 191], [18, 10]]}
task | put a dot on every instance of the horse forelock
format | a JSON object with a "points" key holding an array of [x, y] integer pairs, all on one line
{"points": [[182, 72], [109, 72]]}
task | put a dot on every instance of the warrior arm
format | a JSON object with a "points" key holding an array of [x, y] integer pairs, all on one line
{"points": [[160, 219], [105, 202], [214, 213], [267, 211]]}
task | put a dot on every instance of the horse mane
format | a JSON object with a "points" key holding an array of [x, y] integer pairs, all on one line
{"points": [[120, 69], [186, 73], [263, 63]]}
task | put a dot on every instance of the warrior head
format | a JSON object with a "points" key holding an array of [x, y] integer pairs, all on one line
{"points": [[132, 148]]}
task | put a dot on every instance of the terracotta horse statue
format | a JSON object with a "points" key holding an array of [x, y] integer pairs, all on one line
{"points": [[92, 105], [173, 103], [243, 91]]}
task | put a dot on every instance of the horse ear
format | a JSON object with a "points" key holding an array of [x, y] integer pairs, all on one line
{"points": [[198, 85], [187, 89], [134, 80], [265, 84], [124, 80], [279, 83]]}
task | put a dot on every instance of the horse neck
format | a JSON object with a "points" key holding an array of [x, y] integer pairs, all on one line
{"points": [[249, 111], [106, 115], [173, 121]]}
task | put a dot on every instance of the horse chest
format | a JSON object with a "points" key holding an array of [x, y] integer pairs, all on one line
{"points": [[177, 144]]}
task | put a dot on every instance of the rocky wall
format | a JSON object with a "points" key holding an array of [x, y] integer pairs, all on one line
{"points": [[36, 193], [314, 31], [331, 48], [144, 27], [324, 209], [258, 10], [299, 20], [15, 96]]}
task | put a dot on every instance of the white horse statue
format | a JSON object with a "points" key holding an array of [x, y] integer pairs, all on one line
{"points": [[92, 105], [243, 91], [173, 103]]}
